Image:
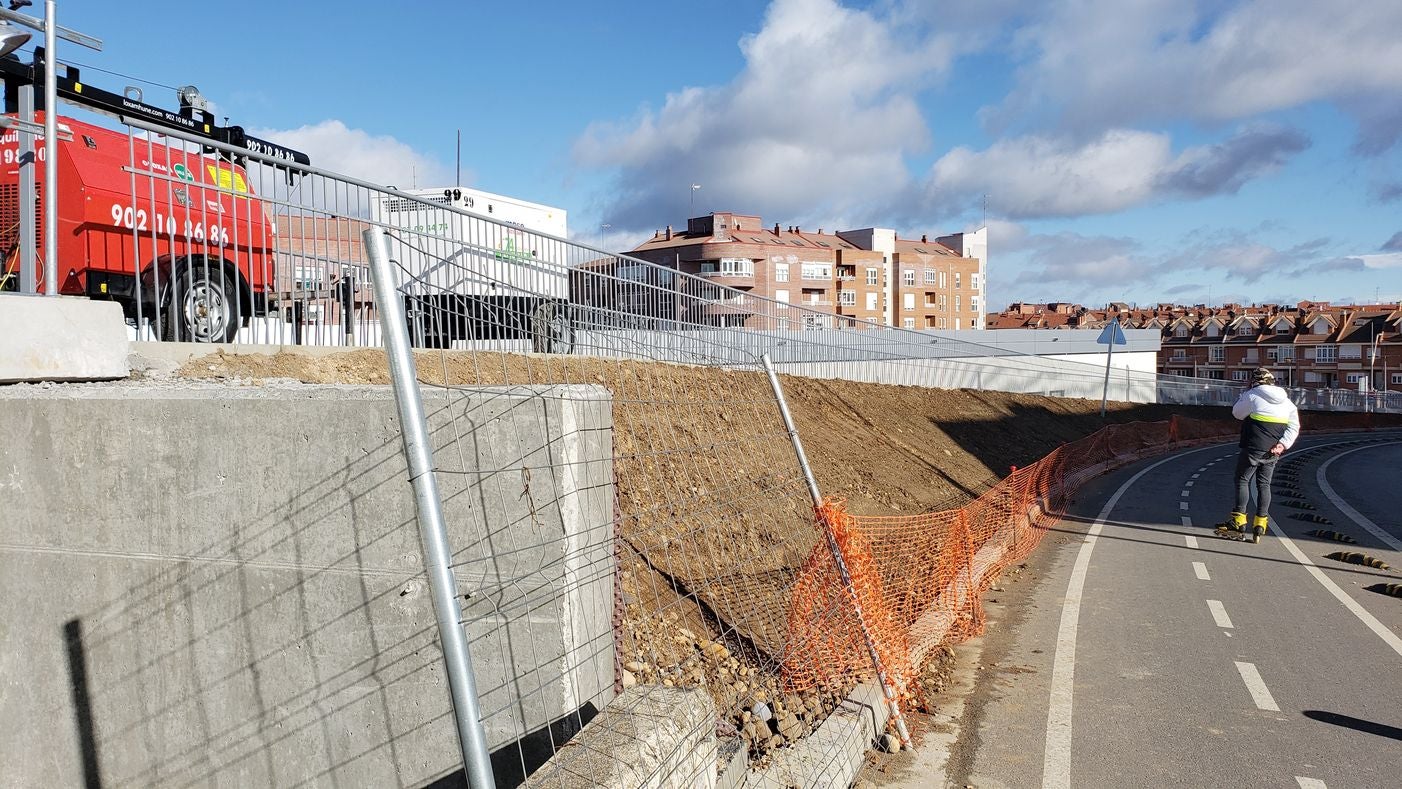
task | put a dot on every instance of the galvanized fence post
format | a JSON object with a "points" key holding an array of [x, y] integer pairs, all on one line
{"points": [[433, 534], [887, 688]]}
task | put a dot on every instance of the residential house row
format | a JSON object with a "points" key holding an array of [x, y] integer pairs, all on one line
{"points": [[1313, 345]]}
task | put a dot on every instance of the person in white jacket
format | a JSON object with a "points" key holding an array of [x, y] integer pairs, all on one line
{"points": [[1270, 423]]}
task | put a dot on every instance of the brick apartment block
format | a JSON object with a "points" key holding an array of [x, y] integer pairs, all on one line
{"points": [[867, 275], [1313, 345]]}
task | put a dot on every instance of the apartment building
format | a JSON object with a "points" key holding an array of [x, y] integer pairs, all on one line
{"points": [[1312, 345], [843, 277]]}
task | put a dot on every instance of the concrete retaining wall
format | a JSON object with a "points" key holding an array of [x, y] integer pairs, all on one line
{"points": [[222, 585]]}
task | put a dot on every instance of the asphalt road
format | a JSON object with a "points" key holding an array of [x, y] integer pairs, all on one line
{"points": [[1156, 654]]}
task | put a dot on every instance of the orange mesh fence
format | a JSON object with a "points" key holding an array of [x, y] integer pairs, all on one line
{"points": [[918, 579]]}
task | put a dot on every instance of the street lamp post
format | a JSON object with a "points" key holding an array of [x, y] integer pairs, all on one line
{"points": [[603, 229], [694, 187]]}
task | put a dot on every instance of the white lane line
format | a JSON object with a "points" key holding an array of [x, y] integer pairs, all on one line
{"points": [[1184, 493], [1189, 484], [1219, 613], [1390, 638], [1200, 570], [1256, 687], [1187, 520], [1191, 540], [1345, 508], [1199, 474], [1309, 783], [1056, 759], [1182, 505]]}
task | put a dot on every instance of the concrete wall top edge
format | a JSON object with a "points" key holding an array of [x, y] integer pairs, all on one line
{"points": [[278, 390]]}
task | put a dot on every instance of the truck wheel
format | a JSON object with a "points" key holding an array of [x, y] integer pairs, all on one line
{"points": [[204, 305], [551, 329]]}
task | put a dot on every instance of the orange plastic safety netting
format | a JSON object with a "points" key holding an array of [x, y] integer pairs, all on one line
{"points": [[916, 581]]}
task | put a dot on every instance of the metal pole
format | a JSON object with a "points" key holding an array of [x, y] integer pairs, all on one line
{"points": [[50, 149], [433, 534], [887, 689], [1105, 395], [28, 235]]}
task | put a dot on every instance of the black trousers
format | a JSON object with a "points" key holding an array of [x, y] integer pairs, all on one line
{"points": [[1260, 465]]}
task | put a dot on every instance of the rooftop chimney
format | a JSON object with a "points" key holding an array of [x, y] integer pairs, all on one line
{"points": [[669, 232], [776, 228], [924, 239]]}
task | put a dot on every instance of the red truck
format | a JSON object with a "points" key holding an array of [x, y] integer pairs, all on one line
{"points": [[169, 229]]}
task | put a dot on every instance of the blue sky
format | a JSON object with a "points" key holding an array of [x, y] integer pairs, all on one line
{"points": [[1130, 150]]}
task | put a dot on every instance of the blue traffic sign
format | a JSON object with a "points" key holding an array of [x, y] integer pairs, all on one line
{"points": [[1113, 335]]}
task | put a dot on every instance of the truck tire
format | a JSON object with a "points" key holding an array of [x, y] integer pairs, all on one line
{"points": [[203, 305], [552, 331]]}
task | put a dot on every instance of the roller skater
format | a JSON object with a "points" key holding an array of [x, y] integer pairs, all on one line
{"points": [[1270, 423]]}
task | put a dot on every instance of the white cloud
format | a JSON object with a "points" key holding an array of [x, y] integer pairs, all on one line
{"points": [[1387, 260], [379, 159], [818, 123], [1096, 63], [1038, 176]]}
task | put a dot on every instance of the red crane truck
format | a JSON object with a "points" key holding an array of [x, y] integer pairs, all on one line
{"points": [[175, 234]]}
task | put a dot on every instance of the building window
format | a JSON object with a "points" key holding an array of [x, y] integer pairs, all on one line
{"points": [[1397, 378], [908, 323], [929, 276], [781, 272], [944, 302], [847, 298], [1282, 328], [908, 301], [973, 303], [781, 296], [973, 323], [1320, 326], [1326, 354], [908, 276], [944, 281], [973, 281], [817, 271], [1285, 353], [958, 278], [1350, 351], [1180, 332], [1354, 378], [729, 267], [871, 301], [1180, 353], [1216, 353], [1238, 375], [957, 297], [871, 276], [1211, 330], [1245, 330]]}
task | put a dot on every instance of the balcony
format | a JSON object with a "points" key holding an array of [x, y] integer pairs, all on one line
{"points": [[730, 279]]}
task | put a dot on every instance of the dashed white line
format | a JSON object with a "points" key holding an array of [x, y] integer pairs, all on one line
{"points": [[1191, 540], [1309, 783], [1256, 686], [1344, 506], [1219, 614], [1186, 520], [1185, 493], [1189, 484], [1182, 505], [1200, 570], [1199, 474]]}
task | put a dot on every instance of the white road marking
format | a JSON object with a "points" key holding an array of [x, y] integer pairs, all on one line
{"points": [[1256, 687], [1185, 493], [1345, 508], [1390, 638], [1219, 613], [1309, 783], [1182, 505], [1187, 520], [1189, 483], [1200, 570], [1191, 540], [1199, 474], [1056, 759]]}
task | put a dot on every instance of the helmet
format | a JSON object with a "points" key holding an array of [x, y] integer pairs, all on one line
{"points": [[1262, 376]]}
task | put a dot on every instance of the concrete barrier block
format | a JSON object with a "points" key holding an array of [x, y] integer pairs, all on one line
{"points": [[223, 584], [61, 339], [650, 736]]}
